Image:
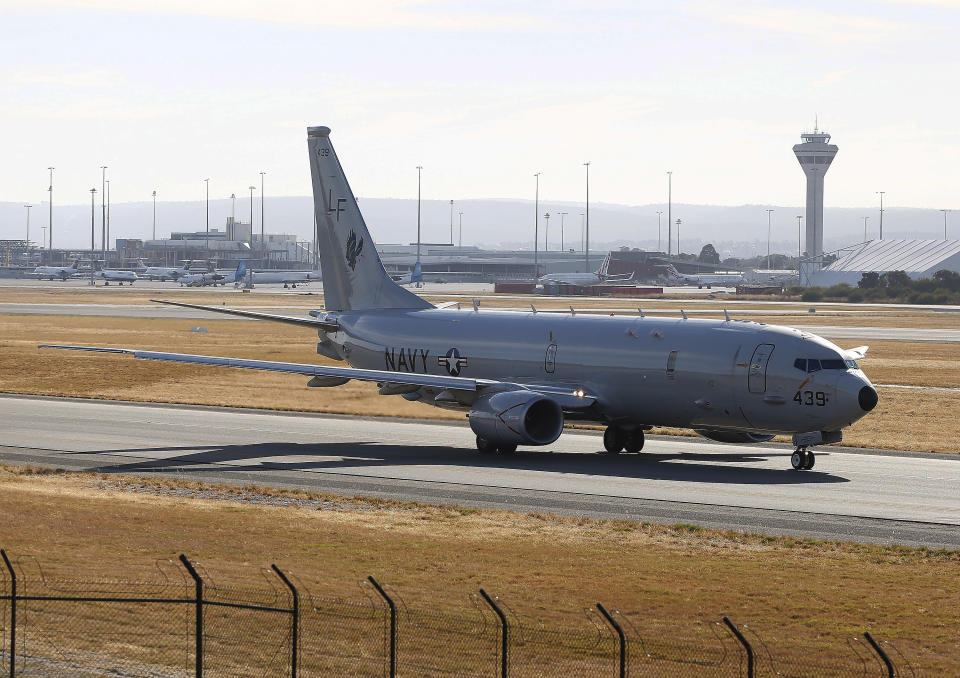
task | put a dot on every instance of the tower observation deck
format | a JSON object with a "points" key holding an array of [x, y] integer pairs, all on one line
{"points": [[815, 153]]}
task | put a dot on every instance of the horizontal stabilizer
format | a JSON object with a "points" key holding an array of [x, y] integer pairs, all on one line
{"points": [[324, 325]]}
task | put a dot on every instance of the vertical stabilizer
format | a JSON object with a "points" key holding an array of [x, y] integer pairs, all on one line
{"points": [[353, 276]]}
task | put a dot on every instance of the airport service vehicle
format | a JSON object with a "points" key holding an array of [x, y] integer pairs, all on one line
{"points": [[288, 278], [164, 273], [707, 280], [57, 272], [109, 275], [215, 277], [519, 376], [598, 277]]}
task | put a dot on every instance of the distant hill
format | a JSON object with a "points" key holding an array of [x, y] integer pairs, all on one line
{"points": [[735, 231]]}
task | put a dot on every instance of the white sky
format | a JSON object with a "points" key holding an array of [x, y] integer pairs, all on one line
{"points": [[482, 94]]}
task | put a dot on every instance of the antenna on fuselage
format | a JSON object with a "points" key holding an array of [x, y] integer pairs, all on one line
{"points": [[726, 315], [572, 312], [533, 308], [476, 305], [683, 313], [642, 314]]}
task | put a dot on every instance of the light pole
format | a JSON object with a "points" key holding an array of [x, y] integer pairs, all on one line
{"points": [[50, 224], [586, 237], [659, 214], [233, 207], [461, 230], [880, 193], [93, 227], [581, 231], [669, 213], [43, 241], [263, 237], [252, 189], [536, 229], [108, 223], [28, 227], [944, 223], [678, 236], [207, 181], [103, 206], [546, 232], [865, 219], [451, 223], [154, 215], [769, 212], [562, 215], [419, 177]]}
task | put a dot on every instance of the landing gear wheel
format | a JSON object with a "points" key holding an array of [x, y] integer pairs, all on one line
{"points": [[810, 461], [506, 449], [633, 441], [613, 440], [798, 460], [484, 446]]}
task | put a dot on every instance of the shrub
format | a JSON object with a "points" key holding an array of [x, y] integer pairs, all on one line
{"points": [[856, 296], [813, 294]]}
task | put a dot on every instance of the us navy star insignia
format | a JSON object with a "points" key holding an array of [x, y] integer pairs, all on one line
{"points": [[453, 361]]}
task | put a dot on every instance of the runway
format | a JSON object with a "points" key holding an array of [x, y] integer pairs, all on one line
{"points": [[870, 496], [835, 332]]}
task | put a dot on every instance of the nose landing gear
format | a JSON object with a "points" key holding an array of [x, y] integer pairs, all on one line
{"points": [[802, 459]]}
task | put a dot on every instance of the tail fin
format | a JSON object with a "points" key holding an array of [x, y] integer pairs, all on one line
{"points": [[241, 271], [75, 264], [417, 275], [353, 276]]}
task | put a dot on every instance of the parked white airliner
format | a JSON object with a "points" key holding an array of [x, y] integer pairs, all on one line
{"points": [[518, 376], [57, 272], [702, 280]]}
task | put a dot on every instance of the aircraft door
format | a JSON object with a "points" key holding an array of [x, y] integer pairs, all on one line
{"points": [[550, 359], [757, 373]]}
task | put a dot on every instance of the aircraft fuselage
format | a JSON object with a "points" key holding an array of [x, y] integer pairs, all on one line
{"points": [[673, 372]]}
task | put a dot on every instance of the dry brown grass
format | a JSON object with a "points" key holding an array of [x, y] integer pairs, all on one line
{"points": [[798, 593], [908, 420]]}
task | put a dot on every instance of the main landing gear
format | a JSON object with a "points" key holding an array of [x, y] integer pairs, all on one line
{"points": [[485, 446], [802, 459], [616, 440]]}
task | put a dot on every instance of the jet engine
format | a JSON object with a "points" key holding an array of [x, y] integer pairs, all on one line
{"points": [[733, 436], [517, 418]]}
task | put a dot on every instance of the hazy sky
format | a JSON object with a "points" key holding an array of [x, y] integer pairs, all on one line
{"points": [[482, 94]]}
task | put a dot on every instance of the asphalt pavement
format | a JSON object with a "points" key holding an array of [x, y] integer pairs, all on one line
{"points": [[869, 496]]}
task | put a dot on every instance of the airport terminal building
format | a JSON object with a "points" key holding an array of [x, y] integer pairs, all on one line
{"points": [[917, 258]]}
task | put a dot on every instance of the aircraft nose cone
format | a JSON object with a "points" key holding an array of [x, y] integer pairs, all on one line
{"points": [[868, 398]]}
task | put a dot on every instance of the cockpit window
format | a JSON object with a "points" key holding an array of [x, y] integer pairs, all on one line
{"points": [[815, 365]]}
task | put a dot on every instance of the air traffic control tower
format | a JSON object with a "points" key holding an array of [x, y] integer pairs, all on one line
{"points": [[815, 153]]}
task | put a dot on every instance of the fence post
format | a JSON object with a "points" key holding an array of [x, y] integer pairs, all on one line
{"points": [[198, 589], [13, 612], [879, 650], [296, 619], [393, 625], [623, 639], [743, 641], [503, 632]]}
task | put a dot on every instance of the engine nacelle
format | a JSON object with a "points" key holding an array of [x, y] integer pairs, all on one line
{"points": [[722, 436], [517, 418]]}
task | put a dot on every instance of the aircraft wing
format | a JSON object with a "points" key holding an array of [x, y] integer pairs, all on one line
{"points": [[324, 325], [565, 397]]}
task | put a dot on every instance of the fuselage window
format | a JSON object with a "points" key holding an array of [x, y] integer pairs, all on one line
{"points": [[833, 364], [800, 364], [813, 365]]}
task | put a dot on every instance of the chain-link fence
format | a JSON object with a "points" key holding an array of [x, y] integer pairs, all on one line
{"points": [[184, 625]]}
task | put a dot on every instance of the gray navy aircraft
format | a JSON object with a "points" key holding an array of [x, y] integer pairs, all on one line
{"points": [[519, 376]]}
